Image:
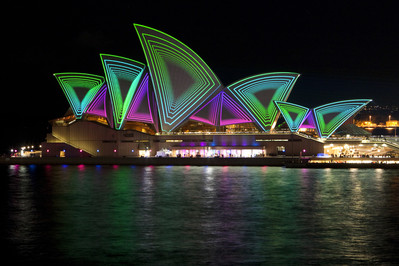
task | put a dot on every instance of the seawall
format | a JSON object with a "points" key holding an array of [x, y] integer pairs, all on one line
{"points": [[149, 161], [267, 161]]}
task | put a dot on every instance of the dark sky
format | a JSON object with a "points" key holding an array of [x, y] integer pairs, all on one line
{"points": [[342, 50]]}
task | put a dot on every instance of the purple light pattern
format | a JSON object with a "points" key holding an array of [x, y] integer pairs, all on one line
{"points": [[212, 112], [209, 113], [98, 104], [140, 98], [308, 122], [228, 104]]}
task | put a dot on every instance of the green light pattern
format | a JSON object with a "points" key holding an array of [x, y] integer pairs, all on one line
{"points": [[122, 76], [257, 93], [182, 80], [330, 117], [293, 114], [79, 89]]}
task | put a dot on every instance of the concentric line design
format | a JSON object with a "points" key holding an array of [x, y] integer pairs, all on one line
{"points": [[182, 80], [257, 93], [293, 114], [123, 76], [98, 105], [209, 113], [179, 86], [140, 109], [231, 112], [308, 122], [331, 116], [80, 89]]}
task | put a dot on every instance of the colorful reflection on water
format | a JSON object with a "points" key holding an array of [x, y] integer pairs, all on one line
{"points": [[199, 215]]}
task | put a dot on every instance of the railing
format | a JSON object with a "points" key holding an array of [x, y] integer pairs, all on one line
{"points": [[383, 140]]}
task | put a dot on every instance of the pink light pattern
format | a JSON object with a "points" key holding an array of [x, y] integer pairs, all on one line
{"points": [[209, 113], [308, 122], [222, 110], [231, 112], [140, 109], [98, 104]]}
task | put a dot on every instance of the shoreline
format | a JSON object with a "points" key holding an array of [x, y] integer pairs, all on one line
{"points": [[263, 161]]}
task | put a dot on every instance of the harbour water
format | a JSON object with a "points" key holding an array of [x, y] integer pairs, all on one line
{"points": [[198, 215]]}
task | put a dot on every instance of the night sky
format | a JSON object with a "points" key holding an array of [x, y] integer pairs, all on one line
{"points": [[343, 51]]}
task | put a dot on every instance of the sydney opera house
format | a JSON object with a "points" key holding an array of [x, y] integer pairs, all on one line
{"points": [[175, 105]]}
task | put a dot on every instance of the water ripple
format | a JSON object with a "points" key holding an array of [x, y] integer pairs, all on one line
{"points": [[199, 215]]}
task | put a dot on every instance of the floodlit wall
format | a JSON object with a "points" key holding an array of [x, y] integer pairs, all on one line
{"points": [[99, 140]]}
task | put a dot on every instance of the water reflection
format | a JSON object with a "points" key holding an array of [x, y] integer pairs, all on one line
{"points": [[200, 215], [24, 213]]}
